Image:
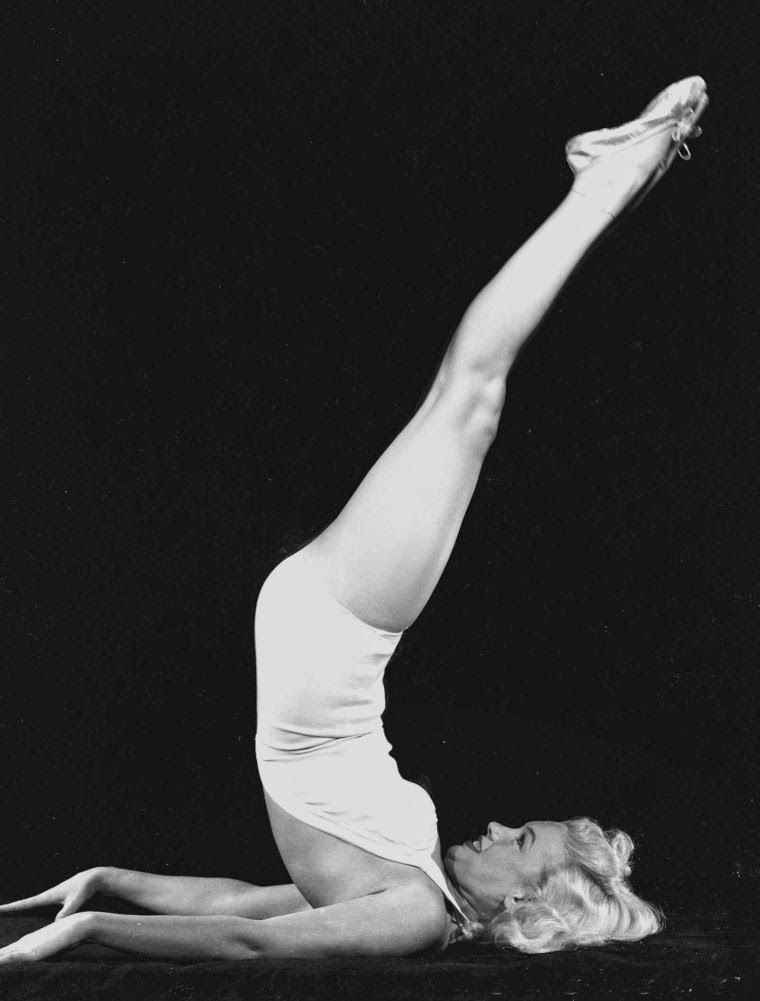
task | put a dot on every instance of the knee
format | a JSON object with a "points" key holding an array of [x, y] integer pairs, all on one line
{"points": [[489, 400], [482, 427], [476, 403]]}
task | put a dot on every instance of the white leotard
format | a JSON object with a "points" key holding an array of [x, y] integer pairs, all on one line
{"points": [[320, 745]]}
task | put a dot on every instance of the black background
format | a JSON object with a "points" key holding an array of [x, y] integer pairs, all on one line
{"points": [[236, 243]]}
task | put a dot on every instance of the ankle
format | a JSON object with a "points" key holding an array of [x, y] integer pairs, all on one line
{"points": [[587, 209]]}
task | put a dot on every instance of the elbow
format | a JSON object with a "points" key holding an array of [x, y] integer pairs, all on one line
{"points": [[244, 939]]}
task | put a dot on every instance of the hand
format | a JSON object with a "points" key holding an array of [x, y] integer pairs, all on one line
{"points": [[72, 893], [47, 941]]}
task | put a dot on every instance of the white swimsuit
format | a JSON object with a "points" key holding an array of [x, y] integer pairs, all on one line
{"points": [[320, 746]]}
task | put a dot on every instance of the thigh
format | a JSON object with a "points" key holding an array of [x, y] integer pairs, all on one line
{"points": [[385, 552]]}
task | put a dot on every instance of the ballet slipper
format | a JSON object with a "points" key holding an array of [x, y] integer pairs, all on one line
{"points": [[615, 168]]}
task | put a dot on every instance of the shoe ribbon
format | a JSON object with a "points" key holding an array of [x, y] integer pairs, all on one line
{"points": [[685, 130]]}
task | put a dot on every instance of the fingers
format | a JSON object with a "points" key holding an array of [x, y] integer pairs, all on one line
{"points": [[44, 942], [39, 900], [10, 954], [14, 952]]}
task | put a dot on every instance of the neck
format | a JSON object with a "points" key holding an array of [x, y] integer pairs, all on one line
{"points": [[464, 904]]}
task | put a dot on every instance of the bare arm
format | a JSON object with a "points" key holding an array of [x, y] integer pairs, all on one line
{"points": [[200, 895], [396, 922], [190, 895], [171, 937]]}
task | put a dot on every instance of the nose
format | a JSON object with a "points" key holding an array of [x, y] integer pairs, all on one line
{"points": [[497, 832]]}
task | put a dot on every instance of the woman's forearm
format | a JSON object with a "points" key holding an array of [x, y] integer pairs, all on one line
{"points": [[171, 936], [185, 895]]}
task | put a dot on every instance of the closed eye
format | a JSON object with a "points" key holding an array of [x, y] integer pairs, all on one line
{"points": [[521, 841]]}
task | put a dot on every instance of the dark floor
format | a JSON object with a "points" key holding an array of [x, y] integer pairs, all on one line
{"points": [[709, 949]]}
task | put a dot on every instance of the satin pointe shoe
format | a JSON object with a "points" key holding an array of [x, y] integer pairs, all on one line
{"points": [[616, 168]]}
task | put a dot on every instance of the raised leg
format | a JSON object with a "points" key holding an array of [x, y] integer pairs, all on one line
{"points": [[385, 552]]}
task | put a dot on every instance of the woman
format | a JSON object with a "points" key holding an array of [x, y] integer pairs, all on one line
{"points": [[359, 842]]}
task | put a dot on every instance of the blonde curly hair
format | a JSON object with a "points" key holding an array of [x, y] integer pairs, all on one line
{"points": [[586, 900]]}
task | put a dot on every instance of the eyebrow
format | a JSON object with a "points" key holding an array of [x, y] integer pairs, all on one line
{"points": [[532, 833]]}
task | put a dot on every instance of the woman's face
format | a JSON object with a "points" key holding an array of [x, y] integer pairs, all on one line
{"points": [[503, 862]]}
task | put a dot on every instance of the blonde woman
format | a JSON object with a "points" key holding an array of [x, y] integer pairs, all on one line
{"points": [[359, 842]]}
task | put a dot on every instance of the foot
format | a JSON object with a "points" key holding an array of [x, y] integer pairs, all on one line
{"points": [[616, 167]]}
